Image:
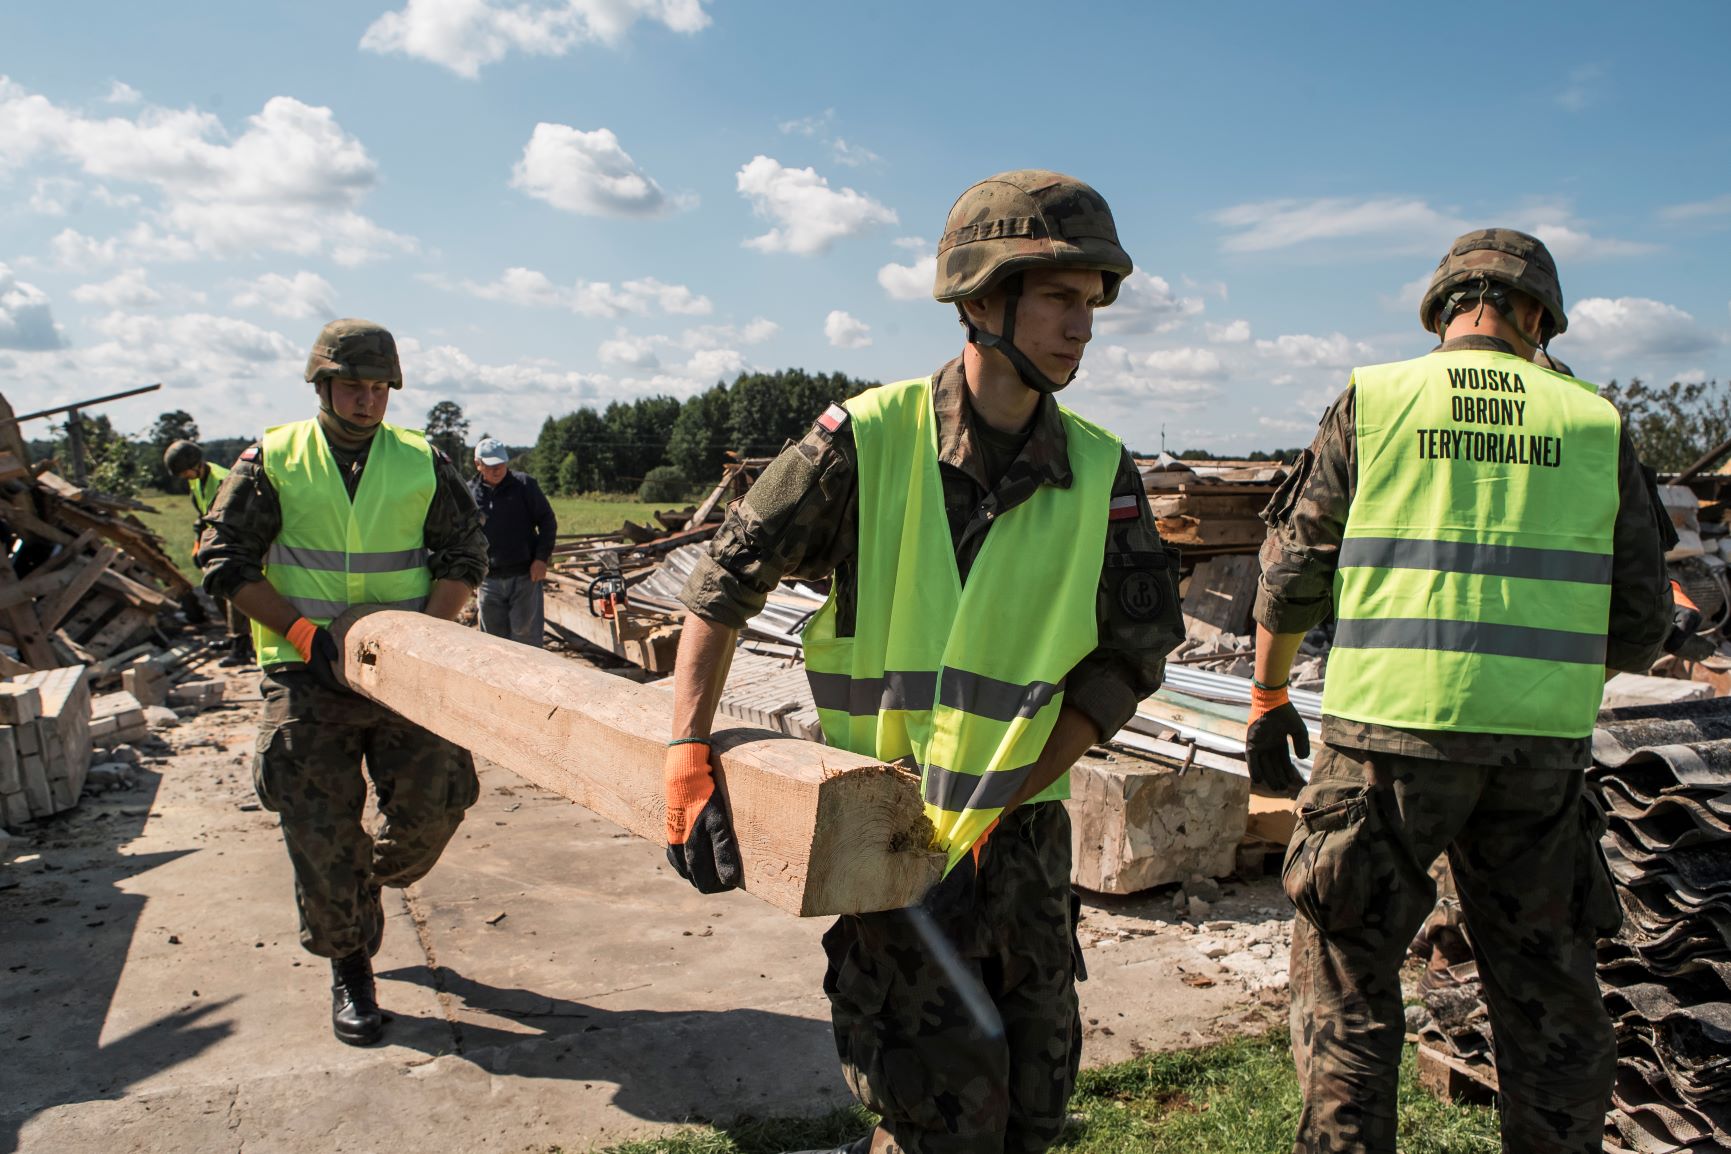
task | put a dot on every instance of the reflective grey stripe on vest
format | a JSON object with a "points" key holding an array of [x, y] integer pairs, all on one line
{"points": [[953, 791], [337, 561], [1471, 637], [867, 696], [1471, 557], [313, 607], [968, 692]]}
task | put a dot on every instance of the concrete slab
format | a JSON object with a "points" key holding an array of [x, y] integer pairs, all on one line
{"points": [[552, 982]]}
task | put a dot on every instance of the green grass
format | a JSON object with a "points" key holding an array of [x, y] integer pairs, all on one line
{"points": [[172, 521], [1237, 1097], [602, 512]]}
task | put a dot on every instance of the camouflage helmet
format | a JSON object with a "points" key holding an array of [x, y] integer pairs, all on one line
{"points": [[356, 349], [1497, 254], [1025, 219], [181, 456]]}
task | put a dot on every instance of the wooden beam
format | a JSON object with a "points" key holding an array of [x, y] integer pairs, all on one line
{"points": [[821, 831], [652, 643], [26, 627], [55, 611]]}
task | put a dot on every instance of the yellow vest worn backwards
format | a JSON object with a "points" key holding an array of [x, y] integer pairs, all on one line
{"points": [[1474, 584], [331, 552], [969, 680]]}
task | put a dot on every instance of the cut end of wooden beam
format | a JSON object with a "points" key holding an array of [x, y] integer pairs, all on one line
{"points": [[821, 831]]}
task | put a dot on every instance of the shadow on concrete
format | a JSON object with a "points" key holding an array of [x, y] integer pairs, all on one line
{"points": [[668, 1066], [65, 932]]}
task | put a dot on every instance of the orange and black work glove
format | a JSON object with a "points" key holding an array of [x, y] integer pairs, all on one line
{"points": [[1274, 719], [319, 650], [700, 843], [1685, 619]]}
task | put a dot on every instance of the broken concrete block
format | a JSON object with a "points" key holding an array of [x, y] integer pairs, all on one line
{"points": [[19, 704], [146, 681], [161, 717], [1139, 822], [200, 694], [1638, 689]]}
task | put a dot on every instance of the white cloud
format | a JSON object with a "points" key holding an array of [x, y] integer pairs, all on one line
{"points": [[305, 294], [1232, 333], [1606, 332], [845, 331], [716, 364], [466, 35], [588, 173], [809, 125], [533, 289], [808, 215], [1568, 242], [1145, 304], [1185, 364], [1304, 351], [26, 316], [1273, 224], [1697, 210], [754, 332], [128, 290], [291, 181], [628, 352], [910, 282], [852, 155], [120, 92]]}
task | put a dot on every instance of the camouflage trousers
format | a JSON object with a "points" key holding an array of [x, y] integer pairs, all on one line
{"points": [[312, 743], [1524, 848], [909, 1047]]}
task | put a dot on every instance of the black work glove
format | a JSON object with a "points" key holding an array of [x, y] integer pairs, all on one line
{"points": [[700, 843], [1273, 720], [324, 660], [951, 901]]}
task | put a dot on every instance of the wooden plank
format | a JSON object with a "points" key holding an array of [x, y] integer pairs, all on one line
{"points": [[67, 552], [26, 628], [1453, 1080], [1223, 592], [649, 639], [134, 593], [821, 831], [117, 632], [28, 589], [82, 578], [135, 539]]}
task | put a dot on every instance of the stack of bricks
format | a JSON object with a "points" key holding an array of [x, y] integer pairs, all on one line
{"points": [[198, 694], [117, 719], [44, 743]]}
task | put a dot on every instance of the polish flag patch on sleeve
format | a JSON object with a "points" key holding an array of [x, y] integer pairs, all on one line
{"points": [[1126, 508], [833, 418]]}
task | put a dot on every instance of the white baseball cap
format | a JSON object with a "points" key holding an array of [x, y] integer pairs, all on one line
{"points": [[492, 451]]}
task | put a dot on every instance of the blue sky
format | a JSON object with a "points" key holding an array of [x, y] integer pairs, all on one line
{"points": [[563, 202]]}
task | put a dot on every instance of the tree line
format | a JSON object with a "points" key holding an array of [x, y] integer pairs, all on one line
{"points": [[664, 448]]}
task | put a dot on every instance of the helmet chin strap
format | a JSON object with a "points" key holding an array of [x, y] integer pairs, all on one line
{"points": [[356, 433], [1005, 342]]}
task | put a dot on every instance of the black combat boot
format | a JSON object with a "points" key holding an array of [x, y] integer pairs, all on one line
{"points": [[355, 1016], [239, 652]]}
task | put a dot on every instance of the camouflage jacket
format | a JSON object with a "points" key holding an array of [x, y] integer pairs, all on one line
{"points": [[1306, 521], [801, 519], [247, 515]]}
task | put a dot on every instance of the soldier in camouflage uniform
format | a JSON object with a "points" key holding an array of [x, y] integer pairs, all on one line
{"points": [[314, 735], [1383, 801], [943, 1080]]}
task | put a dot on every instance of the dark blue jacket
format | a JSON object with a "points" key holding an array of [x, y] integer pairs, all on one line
{"points": [[518, 521]]}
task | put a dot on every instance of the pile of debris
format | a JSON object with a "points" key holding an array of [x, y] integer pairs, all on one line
{"points": [[1664, 774], [88, 599]]}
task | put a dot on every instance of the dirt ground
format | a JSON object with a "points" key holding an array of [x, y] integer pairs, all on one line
{"points": [[552, 982]]}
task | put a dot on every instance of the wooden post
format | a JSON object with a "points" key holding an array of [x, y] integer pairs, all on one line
{"points": [[75, 441], [821, 831]]}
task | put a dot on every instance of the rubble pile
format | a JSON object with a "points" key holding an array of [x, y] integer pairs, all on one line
{"points": [[1664, 775]]}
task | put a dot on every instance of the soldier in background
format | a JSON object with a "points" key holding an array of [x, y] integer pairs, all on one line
{"points": [[1486, 537], [323, 514], [1045, 606], [185, 460]]}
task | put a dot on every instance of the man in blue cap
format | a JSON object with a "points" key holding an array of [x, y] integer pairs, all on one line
{"points": [[520, 528]]}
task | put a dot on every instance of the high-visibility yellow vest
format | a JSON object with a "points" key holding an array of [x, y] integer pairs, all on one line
{"points": [[203, 488], [1474, 584], [331, 552], [969, 680]]}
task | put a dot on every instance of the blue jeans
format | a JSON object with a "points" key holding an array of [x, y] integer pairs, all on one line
{"points": [[511, 607]]}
